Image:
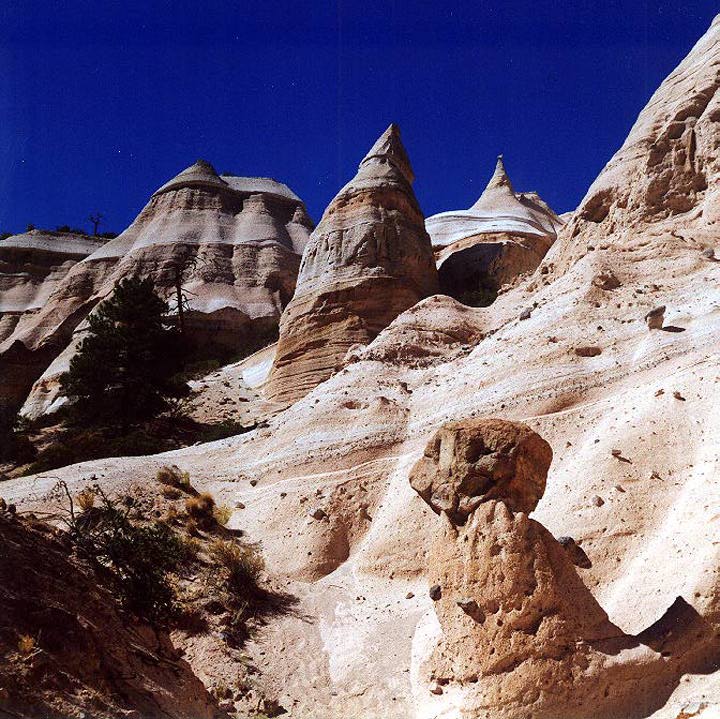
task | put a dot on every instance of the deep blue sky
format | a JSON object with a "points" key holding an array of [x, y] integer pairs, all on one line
{"points": [[102, 101]]}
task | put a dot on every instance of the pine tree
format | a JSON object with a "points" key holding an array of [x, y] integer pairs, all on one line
{"points": [[123, 368]]}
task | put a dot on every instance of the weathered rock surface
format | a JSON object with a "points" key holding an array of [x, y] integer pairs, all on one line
{"points": [[661, 188], [503, 235], [368, 260], [365, 627], [31, 267], [474, 461], [241, 239]]}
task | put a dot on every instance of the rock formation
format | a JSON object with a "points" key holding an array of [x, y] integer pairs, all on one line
{"points": [[368, 260], [471, 462], [239, 240], [504, 234], [661, 187], [366, 639], [518, 625], [32, 265]]}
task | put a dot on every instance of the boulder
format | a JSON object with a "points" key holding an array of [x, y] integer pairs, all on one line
{"points": [[655, 318], [473, 461]]}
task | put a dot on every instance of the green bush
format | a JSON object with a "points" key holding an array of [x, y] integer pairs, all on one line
{"points": [[15, 446], [136, 557]]}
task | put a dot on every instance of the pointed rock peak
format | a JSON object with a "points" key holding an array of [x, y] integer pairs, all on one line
{"points": [[300, 216], [389, 148], [203, 166], [500, 177], [498, 190], [199, 173]]}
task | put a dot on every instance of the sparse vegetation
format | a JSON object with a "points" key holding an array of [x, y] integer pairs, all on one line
{"points": [[242, 565], [222, 514], [478, 297], [137, 558], [201, 509], [15, 446], [174, 477], [73, 444], [86, 500], [26, 645]]}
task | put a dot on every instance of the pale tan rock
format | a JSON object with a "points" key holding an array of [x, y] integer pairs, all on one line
{"points": [[655, 318], [665, 176], [368, 260], [353, 645], [518, 624]]}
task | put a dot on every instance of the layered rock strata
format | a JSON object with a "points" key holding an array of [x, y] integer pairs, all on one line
{"points": [[237, 242], [504, 234], [368, 260], [32, 265]]}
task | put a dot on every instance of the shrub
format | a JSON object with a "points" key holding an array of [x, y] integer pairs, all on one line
{"points": [[221, 430], [243, 565], [173, 476], [200, 508], [170, 492], [86, 499], [137, 558], [15, 446], [26, 644], [222, 514]]}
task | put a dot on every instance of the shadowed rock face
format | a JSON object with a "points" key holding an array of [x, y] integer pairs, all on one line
{"points": [[93, 658], [241, 239], [367, 261], [504, 234]]}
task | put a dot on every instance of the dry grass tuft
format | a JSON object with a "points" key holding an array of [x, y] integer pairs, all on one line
{"points": [[173, 476], [201, 507], [243, 563], [86, 499], [26, 644], [222, 514]]}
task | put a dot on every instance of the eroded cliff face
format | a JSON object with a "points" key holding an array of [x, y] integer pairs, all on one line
{"points": [[33, 266], [661, 187], [238, 241], [367, 261]]}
